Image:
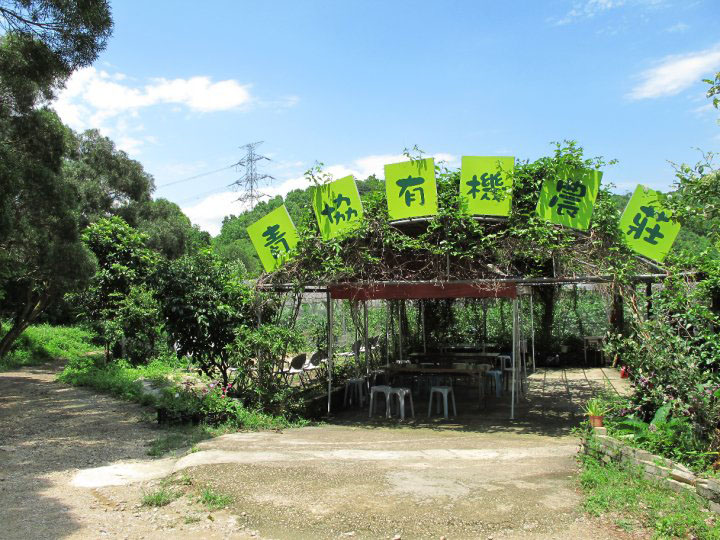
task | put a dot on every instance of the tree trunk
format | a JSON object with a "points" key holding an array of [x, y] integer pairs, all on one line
{"points": [[548, 296], [617, 315], [24, 318]]}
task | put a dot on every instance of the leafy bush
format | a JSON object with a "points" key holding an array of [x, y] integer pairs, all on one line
{"points": [[203, 301], [258, 355], [672, 437]]}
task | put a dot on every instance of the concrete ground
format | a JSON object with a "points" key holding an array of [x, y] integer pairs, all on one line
{"points": [[73, 465]]}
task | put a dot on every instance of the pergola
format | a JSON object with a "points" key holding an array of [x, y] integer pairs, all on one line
{"points": [[503, 288]]}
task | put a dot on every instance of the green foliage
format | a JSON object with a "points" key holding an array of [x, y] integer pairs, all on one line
{"points": [[672, 437], [203, 301], [634, 502], [160, 497], [106, 180], [714, 90], [596, 407], [119, 378], [72, 32], [43, 343], [674, 357], [169, 231], [41, 256], [214, 500], [117, 302]]}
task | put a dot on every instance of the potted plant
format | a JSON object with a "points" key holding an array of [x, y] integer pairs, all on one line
{"points": [[595, 409]]}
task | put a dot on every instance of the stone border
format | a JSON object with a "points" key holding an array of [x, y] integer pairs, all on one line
{"points": [[672, 475]]}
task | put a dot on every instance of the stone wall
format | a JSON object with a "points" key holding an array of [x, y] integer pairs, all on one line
{"points": [[673, 475]]}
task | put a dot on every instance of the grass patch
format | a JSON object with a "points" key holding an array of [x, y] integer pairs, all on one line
{"points": [[214, 500], [192, 519], [160, 497], [634, 502], [119, 378], [44, 343]]}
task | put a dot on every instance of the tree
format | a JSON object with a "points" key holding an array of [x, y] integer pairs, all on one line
{"points": [[73, 31], [108, 182], [170, 232], [41, 256], [203, 303], [117, 302]]}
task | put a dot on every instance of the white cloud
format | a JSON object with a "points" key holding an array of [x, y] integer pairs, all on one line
{"points": [[676, 73], [209, 212], [111, 102], [587, 9], [678, 28], [92, 96]]}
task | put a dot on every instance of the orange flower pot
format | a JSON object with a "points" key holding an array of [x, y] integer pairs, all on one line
{"points": [[596, 421]]}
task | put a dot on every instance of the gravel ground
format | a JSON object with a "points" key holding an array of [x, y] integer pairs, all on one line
{"points": [[73, 464]]}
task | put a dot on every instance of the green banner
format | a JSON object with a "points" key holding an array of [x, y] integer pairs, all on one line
{"points": [[486, 184], [646, 225], [337, 207], [274, 236], [568, 199], [411, 189]]}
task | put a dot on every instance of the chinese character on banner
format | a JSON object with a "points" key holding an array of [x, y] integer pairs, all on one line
{"points": [[647, 226], [274, 237], [569, 198], [337, 207], [486, 184], [411, 189]]}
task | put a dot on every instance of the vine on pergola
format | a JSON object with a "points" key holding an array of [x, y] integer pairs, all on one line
{"points": [[454, 246]]}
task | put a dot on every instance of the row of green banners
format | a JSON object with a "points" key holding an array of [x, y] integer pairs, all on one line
{"points": [[485, 189]]}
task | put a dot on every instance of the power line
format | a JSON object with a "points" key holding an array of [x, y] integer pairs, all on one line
{"points": [[195, 197], [197, 176]]}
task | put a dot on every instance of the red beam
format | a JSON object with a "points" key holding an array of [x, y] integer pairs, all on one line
{"points": [[398, 291]]}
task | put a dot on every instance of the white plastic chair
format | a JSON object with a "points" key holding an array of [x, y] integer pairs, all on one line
{"points": [[442, 391], [380, 389], [355, 390], [315, 362], [295, 368], [401, 394]]}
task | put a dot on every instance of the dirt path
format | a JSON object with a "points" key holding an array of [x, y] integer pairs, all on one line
{"points": [[74, 464]]}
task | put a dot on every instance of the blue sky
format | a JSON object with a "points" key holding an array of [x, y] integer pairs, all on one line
{"points": [[353, 83]]}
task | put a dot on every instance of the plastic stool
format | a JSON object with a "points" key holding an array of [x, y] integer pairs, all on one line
{"points": [[401, 394], [444, 390], [495, 377], [380, 389], [354, 388]]}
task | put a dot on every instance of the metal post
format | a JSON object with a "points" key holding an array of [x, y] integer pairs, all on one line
{"points": [[514, 357], [532, 327], [329, 347], [388, 320], [400, 325], [422, 319], [365, 339]]}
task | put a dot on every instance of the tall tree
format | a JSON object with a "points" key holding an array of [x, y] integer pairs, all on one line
{"points": [[41, 256]]}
